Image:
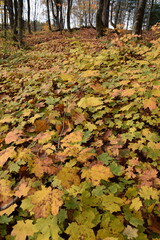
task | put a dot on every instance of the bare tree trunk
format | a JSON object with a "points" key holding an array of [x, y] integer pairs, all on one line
{"points": [[69, 14], [11, 13], [15, 17], [5, 19], [28, 13], [99, 23], [20, 22], [48, 15], [139, 17], [105, 13]]}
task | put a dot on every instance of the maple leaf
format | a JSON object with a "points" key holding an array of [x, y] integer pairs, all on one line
{"points": [[22, 189], [136, 204], [85, 155], [150, 103], [47, 228], [80, 232], [130, 232], [6, 154], [44, 137], [9, 210], [23, 229], [68, 177], [73, 137], [13, 136], [128, 92], [41, 125], [149, 193], [111, 203], [89, 102], [97, 173], [90, 73], [43, 164], [46, 201]]}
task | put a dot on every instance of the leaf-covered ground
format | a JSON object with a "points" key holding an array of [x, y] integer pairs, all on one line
{"points": [[79, 138]]}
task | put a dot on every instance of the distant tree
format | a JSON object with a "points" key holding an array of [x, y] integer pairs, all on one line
{"points": [[28, 15], [48, 15], [20, 22], [99, 23], [105, 13], [137, 27], [69, 6]]}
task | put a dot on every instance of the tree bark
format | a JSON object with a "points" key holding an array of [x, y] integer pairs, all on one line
{"points": [[20, 22], [48, 15], [139, 17], [11, 13], [15, 17], [99, 23], [28, 15], [69, 14], [5, 19], [105, 13]]}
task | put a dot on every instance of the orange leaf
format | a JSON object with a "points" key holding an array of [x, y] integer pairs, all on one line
{"points": [[13, 136], [128, 92], [150, 103], [5, 154]]}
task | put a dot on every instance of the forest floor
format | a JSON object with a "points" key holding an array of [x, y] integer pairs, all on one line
{"points": [[79, 136]]}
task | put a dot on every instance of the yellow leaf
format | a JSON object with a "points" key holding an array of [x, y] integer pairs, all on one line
{"points": [[136, 204], [22, 189], [9, 210], [67, 77], [46, 201], [89, 102], [73, 137], [148, 193], [90, 126], [23, 229], [68, 177], [150, 103], [90, 73], [97, 173]]}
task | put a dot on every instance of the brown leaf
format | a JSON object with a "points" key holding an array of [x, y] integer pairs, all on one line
{"points": [[41, 125]]}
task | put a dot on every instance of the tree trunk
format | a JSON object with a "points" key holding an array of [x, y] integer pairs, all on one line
{"points": [[11, 14], [69, 14], [105, 13], [20, 22], [15, 17], [99, 23], [5, 19], [48, 15], [139, 17], [28, 13]]}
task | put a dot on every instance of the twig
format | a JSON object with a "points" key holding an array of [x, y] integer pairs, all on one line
{"points": [[9, 204]]}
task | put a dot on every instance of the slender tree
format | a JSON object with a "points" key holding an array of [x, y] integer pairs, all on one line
{"points": [[28, 15], [48, 15], [15, 18], [139, 17], [20, 22], [69, 6]]}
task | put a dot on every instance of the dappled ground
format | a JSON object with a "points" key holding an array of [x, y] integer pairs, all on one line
{"points": [[80, 137]]}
